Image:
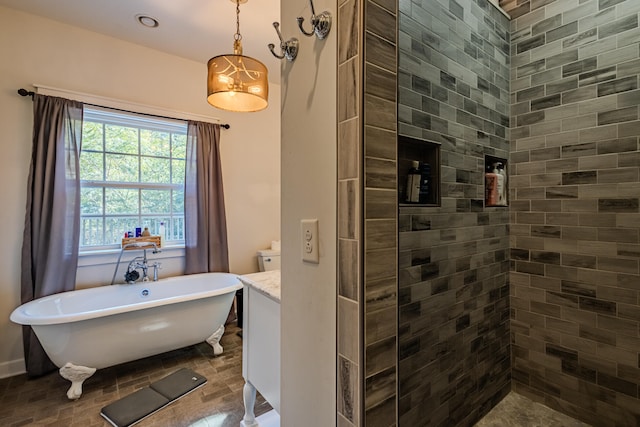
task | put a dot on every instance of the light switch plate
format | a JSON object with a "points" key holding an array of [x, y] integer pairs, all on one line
{"points": [[309, 235]]}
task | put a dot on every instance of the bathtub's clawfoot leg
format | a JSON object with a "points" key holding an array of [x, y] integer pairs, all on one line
{"points": [[214, 341], [77, 375], [249, 397]]}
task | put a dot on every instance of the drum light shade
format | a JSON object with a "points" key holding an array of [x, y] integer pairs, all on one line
{"points": [[236, 82]]}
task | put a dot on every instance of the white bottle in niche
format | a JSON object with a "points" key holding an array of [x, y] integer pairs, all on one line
{"points": [[413, 183], [502, 197], [499, 185]]}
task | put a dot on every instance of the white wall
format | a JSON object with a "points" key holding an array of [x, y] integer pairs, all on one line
{"points": [[37, 50], [309, 123]]}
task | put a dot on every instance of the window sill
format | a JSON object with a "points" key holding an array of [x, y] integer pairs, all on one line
{"points": [[110, 256]]}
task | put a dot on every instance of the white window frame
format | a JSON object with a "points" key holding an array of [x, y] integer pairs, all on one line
{"points": [[140, 121]]}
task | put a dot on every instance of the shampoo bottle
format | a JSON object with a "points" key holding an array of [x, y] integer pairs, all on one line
{"points": [[499, 185], [490, 188], [425, 182], [413, 183], [502, 195]]}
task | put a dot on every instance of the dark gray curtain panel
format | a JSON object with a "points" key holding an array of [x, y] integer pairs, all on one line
{"points": [[52, 219], [205, 220]]}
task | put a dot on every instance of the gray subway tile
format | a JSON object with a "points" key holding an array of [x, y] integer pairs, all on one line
{"points": [[618, 145], [629, 68], [580, 94], [582, 177], [531, 68], [546, 24], [597, 76], [531, 93], [603, 4], [579, 67], [531, 43], [618, 85], [562, 31], [618, 56], [546, 102], [618, 175], [628, 99], [618, 205], [562, 85], [562, 59], [617, 116], [618, 26], [580, 39]]}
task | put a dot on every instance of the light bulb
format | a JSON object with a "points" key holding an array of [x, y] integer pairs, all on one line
{"points": [[224, 79]]}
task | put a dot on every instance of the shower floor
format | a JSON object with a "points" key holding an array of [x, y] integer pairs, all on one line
{"points": [[43, 401], [516, 410]]}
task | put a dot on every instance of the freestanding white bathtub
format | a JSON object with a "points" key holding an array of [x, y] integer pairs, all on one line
{"points": [[89, 329]]}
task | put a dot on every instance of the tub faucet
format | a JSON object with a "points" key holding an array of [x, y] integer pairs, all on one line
{"points": [[132, 274], [141, 263]]}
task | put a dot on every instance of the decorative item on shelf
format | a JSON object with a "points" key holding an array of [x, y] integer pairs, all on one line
{"points": [[289, 48], [236, 82], [146, 232], [141, 241], [320, 24]]}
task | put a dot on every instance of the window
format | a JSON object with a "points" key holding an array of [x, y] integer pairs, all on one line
{"points": [[132, 171]]}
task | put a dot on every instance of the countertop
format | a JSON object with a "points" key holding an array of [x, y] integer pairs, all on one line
{"points": [[266, 282]]}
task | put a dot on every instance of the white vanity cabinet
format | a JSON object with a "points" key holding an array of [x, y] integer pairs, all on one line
{"points": [[261, 345]]}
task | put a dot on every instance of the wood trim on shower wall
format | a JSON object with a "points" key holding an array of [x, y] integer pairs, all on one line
{"points": [[367, 213], [349, 266]]}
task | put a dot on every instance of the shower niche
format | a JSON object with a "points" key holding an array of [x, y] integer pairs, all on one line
{"points": [[496, 188], [418, 172]]}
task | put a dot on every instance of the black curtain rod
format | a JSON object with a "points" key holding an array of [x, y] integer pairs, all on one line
{"points": [[24, 92]]}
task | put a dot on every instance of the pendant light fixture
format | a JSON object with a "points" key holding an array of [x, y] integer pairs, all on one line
{"points": [[237, 82]]}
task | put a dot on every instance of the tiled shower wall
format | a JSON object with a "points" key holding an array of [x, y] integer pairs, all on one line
{"points": [[453, 260], [575, 226]]}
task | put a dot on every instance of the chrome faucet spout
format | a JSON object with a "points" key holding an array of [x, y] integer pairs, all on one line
{"points": [[156, 267]]}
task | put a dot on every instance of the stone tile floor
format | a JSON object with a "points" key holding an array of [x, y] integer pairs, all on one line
{"points": [[43, 401], [516, 410]]}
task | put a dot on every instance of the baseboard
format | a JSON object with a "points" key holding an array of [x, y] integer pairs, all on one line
{"points": [[12, 368]]}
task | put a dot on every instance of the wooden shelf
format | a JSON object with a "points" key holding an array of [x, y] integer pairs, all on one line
{"points": [[150, 239]]}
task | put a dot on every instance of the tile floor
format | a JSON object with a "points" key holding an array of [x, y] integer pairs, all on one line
{"points": [[516, 410], [43, 401]]}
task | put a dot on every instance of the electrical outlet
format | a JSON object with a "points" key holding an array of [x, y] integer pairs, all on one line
{"points": [[310, 252]]}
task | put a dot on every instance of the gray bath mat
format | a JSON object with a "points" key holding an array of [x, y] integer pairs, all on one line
{"points": [[137, 406]]}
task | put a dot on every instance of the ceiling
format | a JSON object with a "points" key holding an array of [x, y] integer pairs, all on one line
{"points": [[192, 29]]}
